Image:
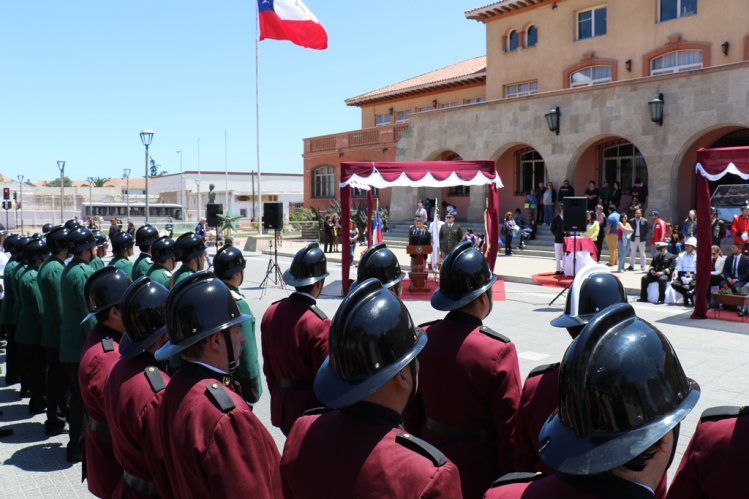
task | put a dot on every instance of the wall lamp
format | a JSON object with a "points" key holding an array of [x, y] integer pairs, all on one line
{"points": [[340, 153], [552, 120], [628, 65], [725, 46], [656, 110]]}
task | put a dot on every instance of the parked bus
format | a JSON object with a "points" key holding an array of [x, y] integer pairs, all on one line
{"points": [[158, 212]]}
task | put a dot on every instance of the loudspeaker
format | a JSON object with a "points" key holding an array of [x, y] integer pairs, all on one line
{"points": [[211, 210], [574, 213], [273, 215]]}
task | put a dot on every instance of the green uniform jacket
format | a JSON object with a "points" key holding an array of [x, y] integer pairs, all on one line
{"points": [[160, 274], [249, 367], [7, 318], [122, 263], [49, 279], [72, 333], [97, 263], [141, 265], [31, 308], [183, 272]]}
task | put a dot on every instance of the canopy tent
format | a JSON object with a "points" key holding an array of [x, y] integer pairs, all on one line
{"points": [[712, 165], [365, 175]]}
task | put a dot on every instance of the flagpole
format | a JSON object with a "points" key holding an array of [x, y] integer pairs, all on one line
{"points": [[226, 171], [257, 115]]}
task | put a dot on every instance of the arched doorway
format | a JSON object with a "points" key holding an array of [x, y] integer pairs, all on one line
{"points": [[458, 196], [521, 167]]}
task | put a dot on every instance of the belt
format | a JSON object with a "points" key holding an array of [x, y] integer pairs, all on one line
{"points": [[98, 426], [481, 436], [140, 485], [287, 383]]}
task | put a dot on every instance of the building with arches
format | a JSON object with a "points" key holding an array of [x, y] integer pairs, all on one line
{"points": [[600, 69]]}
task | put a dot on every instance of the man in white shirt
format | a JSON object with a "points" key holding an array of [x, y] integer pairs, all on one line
{"points": [[686, 270], [639, 237]]}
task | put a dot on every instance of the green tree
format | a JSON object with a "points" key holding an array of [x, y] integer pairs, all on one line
{"points": [[100, 182], [56, 182]]}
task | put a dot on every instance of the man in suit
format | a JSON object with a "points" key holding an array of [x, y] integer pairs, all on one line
{"points": [[661, 269], [450, 234], [736, 273], [418, 234], [639, 237], [557, 228]]}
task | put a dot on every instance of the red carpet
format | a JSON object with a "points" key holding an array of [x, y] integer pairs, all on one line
{"points": [[552, 280], [498, 290], [725, 315]]}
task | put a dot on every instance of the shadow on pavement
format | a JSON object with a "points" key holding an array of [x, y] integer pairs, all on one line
{"points": [[25, 433], [41, 457]]}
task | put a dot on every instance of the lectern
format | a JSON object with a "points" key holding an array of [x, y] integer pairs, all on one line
{"points": [[418, 275]]}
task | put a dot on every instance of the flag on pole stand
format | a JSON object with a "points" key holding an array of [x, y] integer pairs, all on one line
{"points": [[291, 20], [377, 226], [435, 229]]}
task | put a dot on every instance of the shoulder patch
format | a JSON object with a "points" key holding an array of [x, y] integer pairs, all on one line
{"points": [[542, 369], [426, 324], [421, 447], [517, 477], [218, 395], [316, 310], [154, 379], [724, 411], [493, 334], [236, 295], [107, 344], [317, 410]]}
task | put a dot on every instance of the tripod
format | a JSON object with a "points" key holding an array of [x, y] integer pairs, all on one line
{"points": [[273, 272], [574, 268]]}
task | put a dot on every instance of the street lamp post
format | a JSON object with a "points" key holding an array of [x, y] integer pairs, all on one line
{"points": [[20, 201], [90, 197], [181, 186], [61, 166], [146, 136], [126, 174]]}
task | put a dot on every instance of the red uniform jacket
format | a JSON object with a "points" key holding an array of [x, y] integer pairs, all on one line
{"points": [[716, 459], [469, 391], [539, 399], [214, 446], [361, 452], [99, 354], [659, 231], [526, 486], [294, 336], [132, 398], [739, 226]]}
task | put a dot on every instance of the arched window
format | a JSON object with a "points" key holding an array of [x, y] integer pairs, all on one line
{"points": [[531, 170], [592, 75], [622, 161], [676, 62], [513, 41], [323, 182], [531, 36]]}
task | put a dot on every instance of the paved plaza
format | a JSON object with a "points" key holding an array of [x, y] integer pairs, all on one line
{"points": [[715, 353]]}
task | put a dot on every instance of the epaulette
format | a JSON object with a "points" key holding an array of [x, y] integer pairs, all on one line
{"points": [[317, 411], [517, 477], [542, 369], [277, 301], [316, 310], [222, 399], [154, 379], [421, 447], [107, 344], [425, 324], [236, 295], [724, 411], [493, 334]]}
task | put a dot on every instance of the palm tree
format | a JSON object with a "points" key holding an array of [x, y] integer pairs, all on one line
{"points": [[99, 181]]}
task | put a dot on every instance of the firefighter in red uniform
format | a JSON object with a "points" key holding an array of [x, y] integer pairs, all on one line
{"points": [[214, 446], [470, 380], [593, 289], [382, 264], [294, 335], [623, 395], [103, 292], [361, 449], [134, 391], [740, 229], [716, 459]]}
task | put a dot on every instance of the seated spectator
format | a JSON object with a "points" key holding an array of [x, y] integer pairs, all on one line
{"points": [[686, 272]]}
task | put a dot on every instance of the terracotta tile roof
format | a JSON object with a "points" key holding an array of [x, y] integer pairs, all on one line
{"points": [[461, 73], [482, 14], [135, 183]]}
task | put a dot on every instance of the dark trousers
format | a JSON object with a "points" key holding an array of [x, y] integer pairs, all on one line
{"points": [[12, 374], [645, 282], [76, 414], [34, 369], [686, 290], [58, 391], [508, 243]]}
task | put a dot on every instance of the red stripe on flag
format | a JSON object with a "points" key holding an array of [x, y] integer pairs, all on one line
{"points": [[307, 34]]}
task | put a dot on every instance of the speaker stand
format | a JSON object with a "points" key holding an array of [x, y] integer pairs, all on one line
{"points": [[273, 272], [574, 268]]}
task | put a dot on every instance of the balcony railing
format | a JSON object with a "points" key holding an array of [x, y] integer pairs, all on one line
{"points": [[388, 134]]}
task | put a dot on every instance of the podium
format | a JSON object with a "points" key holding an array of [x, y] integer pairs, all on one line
{"points": [[418, 275]]}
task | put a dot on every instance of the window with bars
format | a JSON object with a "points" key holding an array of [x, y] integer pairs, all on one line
{"points": [[531, 170], [673, 9], [521, 89], [591, 23], [423, 109], [459, 191], [676, 62], [383, 119], [446, 105], [473, 100], [623, 162], [323, 182], [402, 116], [592, 75]]}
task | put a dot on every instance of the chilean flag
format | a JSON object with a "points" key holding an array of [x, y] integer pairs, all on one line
{"points": [[377, 228], [291, 20]]}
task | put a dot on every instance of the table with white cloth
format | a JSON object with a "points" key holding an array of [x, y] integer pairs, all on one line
{"points": [[578, 253]]}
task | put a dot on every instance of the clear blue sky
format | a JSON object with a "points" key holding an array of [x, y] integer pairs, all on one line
{"points": [[81, 78]]}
